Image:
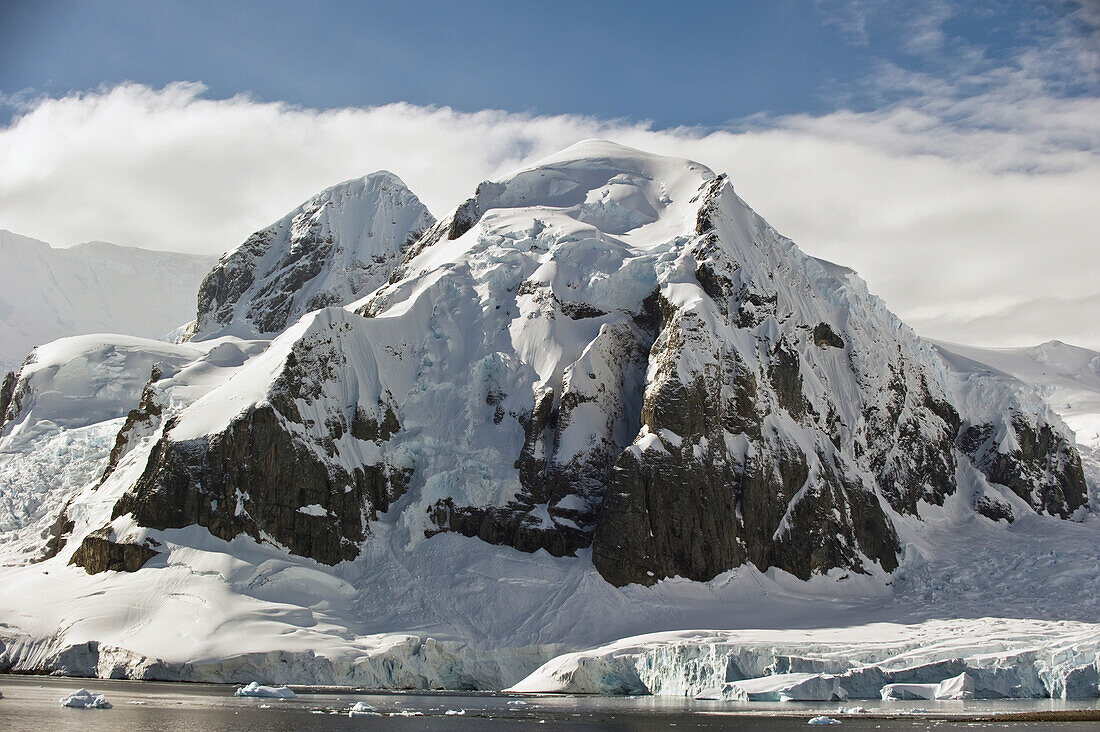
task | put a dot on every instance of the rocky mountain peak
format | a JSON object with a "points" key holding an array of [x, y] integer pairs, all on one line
{"points": [[335, 247]]}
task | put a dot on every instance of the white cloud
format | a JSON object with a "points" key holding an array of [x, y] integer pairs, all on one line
{"points": [[941, 219]]}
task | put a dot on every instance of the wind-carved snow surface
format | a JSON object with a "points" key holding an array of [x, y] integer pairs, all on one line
{"points": [[435, 391]]}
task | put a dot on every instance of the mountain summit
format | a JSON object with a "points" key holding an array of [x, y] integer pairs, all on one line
{"points": [[338, 245]]}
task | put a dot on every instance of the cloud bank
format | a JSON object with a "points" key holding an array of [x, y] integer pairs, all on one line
{"points": [[958, 214]]}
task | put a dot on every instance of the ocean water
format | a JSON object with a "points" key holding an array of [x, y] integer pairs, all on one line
{"points": [[33, 703]]}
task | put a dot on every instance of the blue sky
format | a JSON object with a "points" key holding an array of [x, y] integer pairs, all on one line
{"points": [[948, 150], [704, 63]]}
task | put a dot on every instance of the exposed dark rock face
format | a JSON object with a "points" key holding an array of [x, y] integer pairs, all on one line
{"points": [[463, 220], [1041, 467], [709, 488], [140, 422], [99, 553], [7, 392], [59, 534], [255, 478], [686, 505], [824, 336], [228, 282], [994, 509], [908, 436], [13, 393], [509, 525], [270, 474], [666, 516]]}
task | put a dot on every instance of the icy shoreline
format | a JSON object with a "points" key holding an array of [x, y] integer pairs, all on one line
{"points": [[400, 662], [1002, 658], [1010, 659]]}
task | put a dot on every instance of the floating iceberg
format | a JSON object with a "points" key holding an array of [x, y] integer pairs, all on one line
{"points": [[84, 699], [823, 720], [265, 692], [362, 709]]}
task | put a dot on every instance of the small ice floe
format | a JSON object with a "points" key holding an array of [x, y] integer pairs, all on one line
{"points": [[406, 713], [265, 692], [84, 699], [454, 712], [137, 703], [823, 720], [517, 703], [851, 710], [362, 709]]}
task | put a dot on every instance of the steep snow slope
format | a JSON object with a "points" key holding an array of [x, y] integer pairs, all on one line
{"points": [[335, 247], [609, 363], [48, 293]]}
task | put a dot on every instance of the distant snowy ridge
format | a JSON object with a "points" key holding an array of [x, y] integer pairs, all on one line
{"points": [[1066, 377], [48, 293]]}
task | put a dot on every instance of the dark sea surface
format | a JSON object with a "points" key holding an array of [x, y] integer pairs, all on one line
{"points": [[33, 703]]}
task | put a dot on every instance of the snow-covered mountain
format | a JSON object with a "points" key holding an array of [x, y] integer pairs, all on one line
{"points": [[602, 397], [1066, 377], [48, 293], [335, 247]]}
